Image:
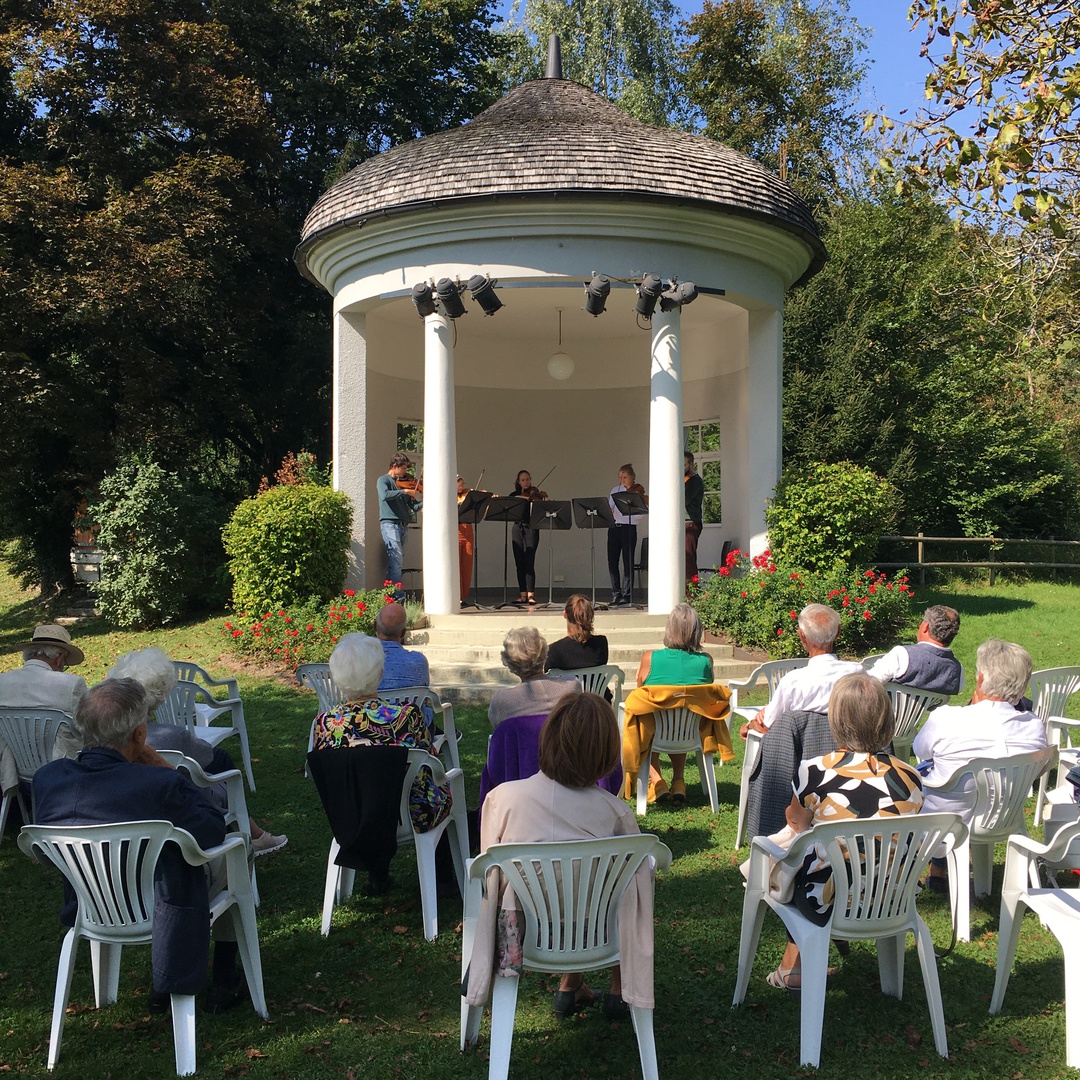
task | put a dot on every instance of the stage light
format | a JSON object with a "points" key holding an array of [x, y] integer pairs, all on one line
{"points": [[648, 294], [450, 298], [596, 294], [678, 295], [483, 292], [421, 297]]}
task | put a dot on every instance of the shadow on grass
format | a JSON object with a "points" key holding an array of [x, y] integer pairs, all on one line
{"points": [[975, 604]]}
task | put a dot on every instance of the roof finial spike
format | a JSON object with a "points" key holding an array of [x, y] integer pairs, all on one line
{"points": [[554, 60]]}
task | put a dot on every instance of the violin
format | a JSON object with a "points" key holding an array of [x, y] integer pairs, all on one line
{"points": [[410, 483], [639, 488], [534, 494]]}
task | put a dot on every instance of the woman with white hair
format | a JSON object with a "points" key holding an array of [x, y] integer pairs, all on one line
{"points": [[356, 666], [524, 654], [681, 662], [154, 672]]}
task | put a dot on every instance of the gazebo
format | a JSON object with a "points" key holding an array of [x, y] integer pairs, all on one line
{"points": [[547, 187]]}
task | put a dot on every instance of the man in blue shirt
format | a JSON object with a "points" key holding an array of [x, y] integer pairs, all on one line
{"points": [[404, 667], [396, 509]]}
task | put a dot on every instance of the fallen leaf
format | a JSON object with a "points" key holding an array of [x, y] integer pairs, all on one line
{"points": [[1018, 1046], [252, 1054]]}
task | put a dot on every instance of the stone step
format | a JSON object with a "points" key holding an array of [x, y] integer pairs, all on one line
{"points": [[618, 653]]}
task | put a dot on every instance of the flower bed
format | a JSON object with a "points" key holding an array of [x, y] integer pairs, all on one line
{"points": [[755, 603]]}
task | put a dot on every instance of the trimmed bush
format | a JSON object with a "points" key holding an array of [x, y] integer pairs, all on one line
{"points": [[288, 545], [755, 603], [821, 515]]}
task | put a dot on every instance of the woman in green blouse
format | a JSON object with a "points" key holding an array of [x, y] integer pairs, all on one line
{"points": [[681, 662]]}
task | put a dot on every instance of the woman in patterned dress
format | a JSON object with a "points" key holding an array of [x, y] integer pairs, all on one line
{"points": [[856, 781]]}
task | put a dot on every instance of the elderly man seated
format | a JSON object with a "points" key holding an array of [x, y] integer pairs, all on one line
{"points": [[929, 664], [117, 777], [403, 667], [990, 726], [794, 721], [524, 653]]}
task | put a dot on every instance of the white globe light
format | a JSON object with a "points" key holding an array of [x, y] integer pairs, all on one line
{"points": [[560, 366]]}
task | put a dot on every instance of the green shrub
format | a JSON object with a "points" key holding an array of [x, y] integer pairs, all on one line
{"points": [[305, 633], [826, 514], [161, 545], [288, 545], [755, 603]]}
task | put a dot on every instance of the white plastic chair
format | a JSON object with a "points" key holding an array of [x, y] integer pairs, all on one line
{"points": [[340, 879], [1002, 786], [210, 707], [236, 811], [1050, 690], [910, 707], [770, 673], [317, 677], [29, 734], [598, 680], [869, 661], [569, 893], [111, 868], [182, 706], [427, 698], [874, 901], [678, 731], [1059, 910]]}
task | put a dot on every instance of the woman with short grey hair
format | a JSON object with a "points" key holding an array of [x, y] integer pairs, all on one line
{"points": [[524, 654]]}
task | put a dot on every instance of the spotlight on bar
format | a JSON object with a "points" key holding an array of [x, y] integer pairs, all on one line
{"points": [[483, 292], [422, 298], [596, 294], [648, 293], [450, 298], [678, 295]]}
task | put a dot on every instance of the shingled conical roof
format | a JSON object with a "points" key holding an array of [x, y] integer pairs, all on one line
{"points": [[553, 137]]}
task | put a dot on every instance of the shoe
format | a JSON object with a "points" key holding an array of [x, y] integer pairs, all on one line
{"points": [[780, 979], [658, 791], [158, 1001], [567, 1002], [378, 886], [615, 1008], [267, 843], [531, 601], [227, 994], [678, 792], [936, 884]]}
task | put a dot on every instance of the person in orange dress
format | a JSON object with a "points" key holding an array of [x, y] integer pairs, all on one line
{"points": [[466, 542]]}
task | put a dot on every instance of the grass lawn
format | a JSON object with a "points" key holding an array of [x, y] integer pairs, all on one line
{"points": [[375, 999]]}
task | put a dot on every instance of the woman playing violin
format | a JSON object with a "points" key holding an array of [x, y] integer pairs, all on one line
{"points": [[622, 539], [466, 546], [526, 540]]}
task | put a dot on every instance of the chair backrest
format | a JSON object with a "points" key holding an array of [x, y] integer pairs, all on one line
{"points": [[596, 680], [188, 669], [179, 705], [1051, 689], [1002, 786], [678, 730], [770, 673], [429, 702], [30, 734], [317, 677], [876, 865], [569, 893], [111, 868], [236, 807], [910, 706], [418, 759], [869, 661]]}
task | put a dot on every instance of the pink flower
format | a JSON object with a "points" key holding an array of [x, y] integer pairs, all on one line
{"points": [[237, 633], [794, 576], [310, 627], [282, 614], [794, 614], [779, 633], [228, 626], [847, 602], [869, 573], [288, 618]]}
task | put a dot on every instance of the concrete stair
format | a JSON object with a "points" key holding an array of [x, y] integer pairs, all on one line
{"points": [[463, 650]]}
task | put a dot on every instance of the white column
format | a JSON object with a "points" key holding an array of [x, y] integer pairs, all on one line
{"points": [[441, 595], [667, 547], [350, 445], [765, 420]]}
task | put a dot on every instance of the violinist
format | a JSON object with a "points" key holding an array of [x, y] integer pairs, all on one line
{"points": [[622, 540], [466, 540], [526, 540], [398, 503]]}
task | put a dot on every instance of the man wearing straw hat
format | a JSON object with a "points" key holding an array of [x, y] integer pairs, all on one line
{"points": [[42, 682]]}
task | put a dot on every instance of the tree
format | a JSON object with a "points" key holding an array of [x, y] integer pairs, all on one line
{"points": [[623, 49], [779, 80], [1000, 132]]}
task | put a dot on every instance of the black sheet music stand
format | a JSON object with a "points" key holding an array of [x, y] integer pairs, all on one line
{"points": [[553, 516], [593, 514], [508, 509], [470, 511], [631, 504]]}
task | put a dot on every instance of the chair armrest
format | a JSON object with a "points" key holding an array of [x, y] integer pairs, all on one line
{"points": [[197, 856]]}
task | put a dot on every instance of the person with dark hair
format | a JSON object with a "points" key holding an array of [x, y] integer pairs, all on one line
{"points": [[622, 539], [694, 497], [929, 664], [579, 744], [119, 777], [397, 507], [581, 648], [526, 540], [857, 780]]}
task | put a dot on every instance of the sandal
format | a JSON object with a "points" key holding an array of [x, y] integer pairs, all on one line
{"points": [[678, 792], [780, 979], [658, 791], [567, 1002], [531, 601]]}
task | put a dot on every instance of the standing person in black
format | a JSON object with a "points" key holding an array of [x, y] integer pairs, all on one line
{"points": [[526, 541], [622, 539], [695, 499], [581, 648]]}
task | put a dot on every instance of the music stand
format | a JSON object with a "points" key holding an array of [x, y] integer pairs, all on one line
{"points": [[554, 516], [508, 509], [593, 514], [631, 504], [470, 511]]}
